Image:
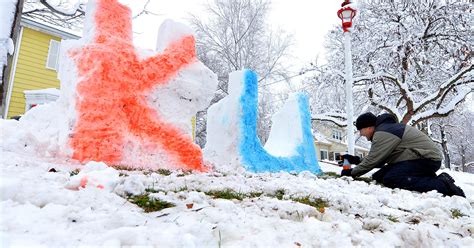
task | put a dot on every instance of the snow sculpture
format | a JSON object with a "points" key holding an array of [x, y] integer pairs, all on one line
{"points": [[232, 132], [121, 107], [115, 121]]}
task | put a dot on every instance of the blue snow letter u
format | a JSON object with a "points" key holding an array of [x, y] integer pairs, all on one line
{"points": [[290, 146]]}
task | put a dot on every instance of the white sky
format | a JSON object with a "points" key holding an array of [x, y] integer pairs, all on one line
{"points": [[308, 20]]}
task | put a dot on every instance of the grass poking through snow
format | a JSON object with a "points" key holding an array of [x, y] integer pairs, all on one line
{"points": [[149, 204], [317, 203], [393, 219], [456, 213], [227, 194]]}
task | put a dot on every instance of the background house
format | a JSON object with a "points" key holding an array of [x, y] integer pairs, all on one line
{"points": [[330, 142], [35, 64]]}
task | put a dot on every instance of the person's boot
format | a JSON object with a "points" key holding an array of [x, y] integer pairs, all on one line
{"points": [[453, 188]]}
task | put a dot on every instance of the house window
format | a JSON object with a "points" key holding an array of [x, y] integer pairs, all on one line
{"points": [[324, 155], [337, 156], [331, 156], [53, 55], [336, 134]]}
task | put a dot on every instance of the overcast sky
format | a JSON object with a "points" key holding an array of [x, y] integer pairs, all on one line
{"points": [[308, 20]]}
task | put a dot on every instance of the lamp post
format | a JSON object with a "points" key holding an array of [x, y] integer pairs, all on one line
{"points": [[346, 13]]}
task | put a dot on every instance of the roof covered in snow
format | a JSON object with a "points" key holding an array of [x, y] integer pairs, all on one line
{"points": [[49, 28]]}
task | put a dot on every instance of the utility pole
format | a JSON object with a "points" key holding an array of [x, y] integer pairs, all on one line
{"points": [[346, 13]]}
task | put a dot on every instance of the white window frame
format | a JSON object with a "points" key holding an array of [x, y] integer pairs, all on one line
{"points": [[337, 134], [51, 54], [327, 154]]}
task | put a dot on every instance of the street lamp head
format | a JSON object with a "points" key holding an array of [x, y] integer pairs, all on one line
{"points": [[346, 14]]}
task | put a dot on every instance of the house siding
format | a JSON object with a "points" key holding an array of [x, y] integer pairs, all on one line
{"points": [[320, 147], [31, 72], [335, 145]]}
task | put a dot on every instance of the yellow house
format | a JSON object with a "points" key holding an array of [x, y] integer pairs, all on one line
{"points": [[35, 64]]}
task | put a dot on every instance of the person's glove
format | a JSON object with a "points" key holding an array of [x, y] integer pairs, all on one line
{"points": [[340, 163], [347, 173], [351, 159]]}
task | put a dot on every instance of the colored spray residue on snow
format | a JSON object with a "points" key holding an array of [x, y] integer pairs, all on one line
{"points": [[111, 104], [255, 157]]}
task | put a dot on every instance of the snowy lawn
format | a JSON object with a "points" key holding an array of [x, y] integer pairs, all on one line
{"points": [[51, 209]]}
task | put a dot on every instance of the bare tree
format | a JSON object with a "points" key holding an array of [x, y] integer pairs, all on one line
{"points": [[443, 141], [462, 143], [235, 36], [454, 133]]}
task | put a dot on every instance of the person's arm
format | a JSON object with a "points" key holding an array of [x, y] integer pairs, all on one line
{"points": [[383, 144]]}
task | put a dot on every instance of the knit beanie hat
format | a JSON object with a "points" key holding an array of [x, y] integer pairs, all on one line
{"points": [[365, 120]]}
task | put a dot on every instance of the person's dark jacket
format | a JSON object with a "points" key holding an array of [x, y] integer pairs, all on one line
{"points": [[394, 143]]}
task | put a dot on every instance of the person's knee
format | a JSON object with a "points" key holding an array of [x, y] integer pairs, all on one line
{"points": [[398, 182]]}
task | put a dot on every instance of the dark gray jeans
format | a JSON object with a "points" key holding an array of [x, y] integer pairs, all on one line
{"points": [[415, 175]]}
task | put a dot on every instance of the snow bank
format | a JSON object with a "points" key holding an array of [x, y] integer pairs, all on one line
{"points": [[118, 106], [95, 174], [43, 131], [232, 139]]}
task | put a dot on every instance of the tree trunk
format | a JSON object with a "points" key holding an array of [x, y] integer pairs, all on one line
{"points": [[444, 145], [463, 159], [407, 117], [7, 69]]}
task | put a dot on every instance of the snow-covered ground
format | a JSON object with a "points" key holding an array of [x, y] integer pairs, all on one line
{"points": [[51, 209]]}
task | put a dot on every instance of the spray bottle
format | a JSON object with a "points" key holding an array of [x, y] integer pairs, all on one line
{"points": [[346, 165]]}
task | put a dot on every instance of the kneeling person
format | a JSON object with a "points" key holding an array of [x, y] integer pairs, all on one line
{"points": [[408, 158]]}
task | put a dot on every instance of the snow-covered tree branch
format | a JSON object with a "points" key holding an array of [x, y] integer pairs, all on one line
{"points": [[336, 118], [413, 60], [64, 13]]}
